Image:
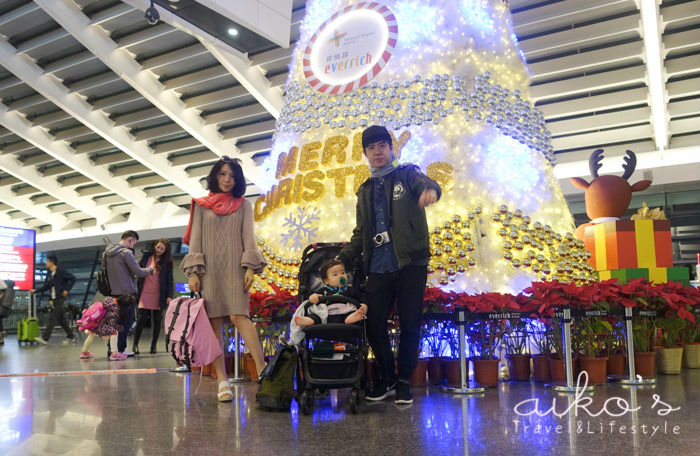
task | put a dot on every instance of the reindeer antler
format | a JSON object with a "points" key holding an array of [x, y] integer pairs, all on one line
{"points": [[630, 163], [594, 162]]}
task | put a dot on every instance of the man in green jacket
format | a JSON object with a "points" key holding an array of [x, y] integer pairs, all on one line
{"points": [[391, 234]]}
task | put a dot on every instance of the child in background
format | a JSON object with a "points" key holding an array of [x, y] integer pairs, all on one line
{"points": [[335, 278], [110, 325]]}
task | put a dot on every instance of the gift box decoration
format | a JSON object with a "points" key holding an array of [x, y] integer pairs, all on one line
{"points": [[654, 275], [629, 244]]}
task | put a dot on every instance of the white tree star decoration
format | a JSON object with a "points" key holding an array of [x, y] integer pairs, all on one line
{"points": [[300, 227]]}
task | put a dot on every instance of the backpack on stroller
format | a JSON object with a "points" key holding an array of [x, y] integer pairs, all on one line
{"points": [[333, 355]]}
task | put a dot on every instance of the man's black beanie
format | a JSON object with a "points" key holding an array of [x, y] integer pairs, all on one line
{"points": [[374, 134]]}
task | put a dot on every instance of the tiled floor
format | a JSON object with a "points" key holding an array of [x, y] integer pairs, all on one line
{"points": [[159, 413]]}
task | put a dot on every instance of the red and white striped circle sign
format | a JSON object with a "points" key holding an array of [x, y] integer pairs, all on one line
{"points": [[350, 48]]}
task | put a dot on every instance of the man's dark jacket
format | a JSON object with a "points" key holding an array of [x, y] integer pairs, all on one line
{"points": [[62, 281], [408, 225]]}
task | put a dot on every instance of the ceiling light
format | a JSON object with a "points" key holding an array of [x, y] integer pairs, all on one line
{"points": [[233, 32]]}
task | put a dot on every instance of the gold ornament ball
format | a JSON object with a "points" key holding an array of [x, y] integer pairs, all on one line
{"points": [[461, 253], [456, 218], [516, 263], [447, 248], [471, 262]]}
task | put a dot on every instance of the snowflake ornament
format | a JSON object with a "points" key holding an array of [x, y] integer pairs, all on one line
{"points": [[300, 227]]}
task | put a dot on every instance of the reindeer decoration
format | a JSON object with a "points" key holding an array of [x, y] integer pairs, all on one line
{"points": [[607, 197]]}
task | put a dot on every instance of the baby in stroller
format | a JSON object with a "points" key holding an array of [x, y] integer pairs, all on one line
{"points": [[335, 280]]}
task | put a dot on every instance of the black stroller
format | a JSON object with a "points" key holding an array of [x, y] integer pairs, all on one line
{"points": [[333, 355]]}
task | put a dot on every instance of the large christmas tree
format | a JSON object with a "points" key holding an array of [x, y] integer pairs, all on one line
{"points": [[448, 81]]}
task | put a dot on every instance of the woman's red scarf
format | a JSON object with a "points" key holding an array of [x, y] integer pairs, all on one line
{"points": [[220, 203]]}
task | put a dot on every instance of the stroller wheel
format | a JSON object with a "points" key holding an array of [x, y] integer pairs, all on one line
{"points": [[354, 400], [305, 403]]}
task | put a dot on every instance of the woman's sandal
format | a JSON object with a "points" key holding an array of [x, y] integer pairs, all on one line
{"points": [[225, 394]]}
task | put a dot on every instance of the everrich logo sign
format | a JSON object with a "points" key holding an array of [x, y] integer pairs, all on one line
{"points": [[350, 48]]}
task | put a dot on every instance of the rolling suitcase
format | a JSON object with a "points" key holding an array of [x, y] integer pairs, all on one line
{"points": [[28, 328]]}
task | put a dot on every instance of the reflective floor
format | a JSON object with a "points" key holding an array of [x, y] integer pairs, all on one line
{"points": [[159, 413]]}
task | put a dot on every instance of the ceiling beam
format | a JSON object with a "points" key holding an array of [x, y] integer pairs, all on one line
{"points": [[59, 150], [25, 69], [26, 205], [96, 39], [654, 58], [248, 75]]}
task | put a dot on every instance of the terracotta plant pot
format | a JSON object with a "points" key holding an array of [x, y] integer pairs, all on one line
{"points": [[420, 373], [436, 375], [616, 364], [250, 372], [557, 368], [519, 367], [372, 372], [595, 368], [451, 369], [691, 356], [670, 360], [644, 363], [486, 372], [540, 367]]}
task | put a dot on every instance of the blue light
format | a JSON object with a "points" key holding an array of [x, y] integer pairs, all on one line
{"points": [[514, 171], [416, 22], [477, 16]]}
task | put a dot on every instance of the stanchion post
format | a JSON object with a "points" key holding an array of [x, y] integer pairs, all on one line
{"points": [[566, 333], [633, 379], [237, 377], [463, 375], [569, 387]]}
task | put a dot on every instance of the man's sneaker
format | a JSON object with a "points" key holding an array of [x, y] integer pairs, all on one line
{"points": [[116, 356], [40, 340], [403, 393], [384, 389], [128, 353], [68, 340], [86, 355]]}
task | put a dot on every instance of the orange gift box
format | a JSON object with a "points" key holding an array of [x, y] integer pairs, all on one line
{"points": [[622, 244]]}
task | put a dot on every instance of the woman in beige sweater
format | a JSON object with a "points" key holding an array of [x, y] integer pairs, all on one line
{"points": [[223, 257]]}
